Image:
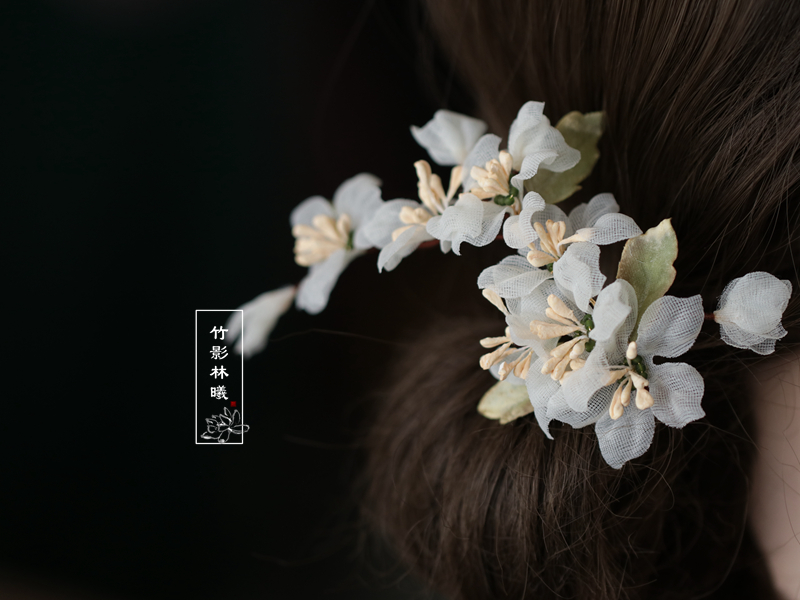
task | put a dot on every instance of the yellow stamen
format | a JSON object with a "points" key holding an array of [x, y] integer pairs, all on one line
{"points": [[487, 360], [492, 180], [495, 299], [643, 399], [626, 393], [538, 258], [316, 242], [548, 331], [616, 409], [560, 307]]}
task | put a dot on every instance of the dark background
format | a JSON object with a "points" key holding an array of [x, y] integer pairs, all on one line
{"points": [[152, 154]]}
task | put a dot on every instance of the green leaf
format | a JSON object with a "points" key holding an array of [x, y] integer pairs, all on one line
{"points": [[646, 264], [582, 132], [505, 401]]}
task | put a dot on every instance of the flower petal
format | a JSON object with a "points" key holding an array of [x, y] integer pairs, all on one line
{"points": [[626, 438], [532, 133], [486, 148], [259, 318], [449, 136], [359, 197], [550, 212], [677, 390], [578, 273], [586, 215], [378, 231], [541, 388], [469, 220], [614, 316], [304, 213], [518, 230], [584, 383], [315, 288], [530, 166], [559, 410], [750, 311], [512, 277], [670, 326], [405, 244], [610, 229]]}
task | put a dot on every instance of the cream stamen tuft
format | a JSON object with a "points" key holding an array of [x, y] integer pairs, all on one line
{"points": [[316, 242]]}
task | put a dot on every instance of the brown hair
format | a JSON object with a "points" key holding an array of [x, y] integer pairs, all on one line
{"points": [[703, 126]]}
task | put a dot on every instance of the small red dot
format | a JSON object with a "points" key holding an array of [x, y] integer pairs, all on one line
{"points": [[233, 403]]}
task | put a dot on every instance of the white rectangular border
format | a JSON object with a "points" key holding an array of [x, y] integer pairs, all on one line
{"points": [[241, 408]]}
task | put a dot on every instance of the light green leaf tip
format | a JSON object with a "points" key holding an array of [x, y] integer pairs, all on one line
{"points": [[646, 264], [582, 132], [505, 401]]}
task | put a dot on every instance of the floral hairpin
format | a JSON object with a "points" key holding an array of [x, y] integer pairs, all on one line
{"points": [[574, 350]]}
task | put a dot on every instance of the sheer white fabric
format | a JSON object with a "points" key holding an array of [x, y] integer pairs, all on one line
{"points": [[304, 213], [533, 307], [469, 220], [750, 311], [532, 142], [578, 273], [385, 221], [449, 136], [559, 410], [598, 222], [316, 287], [485, 149], [677, 390], [626, 438], [670, 326], [405, 244], [608, 229], [259, 317], [513, 277], [614, 316], [360, 198], [514, 234]]}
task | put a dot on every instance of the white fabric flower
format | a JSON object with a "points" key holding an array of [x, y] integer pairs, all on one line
{"points": [[620, 388], [497, 178], [330, 235], [520, 346], [569, 243], [449, 136], [399, 226], [259, 317], [532, 142], [750, 310], [470, 220]]}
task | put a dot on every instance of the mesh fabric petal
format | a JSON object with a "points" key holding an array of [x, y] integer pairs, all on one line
{"points": [[315, 288], [449, 136], [626, 438], [386, 219], [670, 326], [677, 389], [578, 272]]}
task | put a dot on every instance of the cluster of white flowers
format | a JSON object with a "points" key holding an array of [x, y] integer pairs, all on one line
{"points": [[573, 350]]}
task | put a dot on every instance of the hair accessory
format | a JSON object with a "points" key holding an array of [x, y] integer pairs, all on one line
{"points": [[574, 350]]}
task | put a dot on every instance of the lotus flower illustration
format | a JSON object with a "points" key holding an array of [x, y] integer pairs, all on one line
{"points": [[220, 427]]}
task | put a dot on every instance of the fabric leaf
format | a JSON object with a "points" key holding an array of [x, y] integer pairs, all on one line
{"points": [[646, 264], [505, 401]]}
